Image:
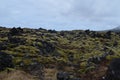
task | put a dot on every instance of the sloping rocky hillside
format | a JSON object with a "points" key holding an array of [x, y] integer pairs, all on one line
{"points": [[58, 55]]}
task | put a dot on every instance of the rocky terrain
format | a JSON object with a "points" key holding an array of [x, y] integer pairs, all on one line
{"points": [[59, 55]]}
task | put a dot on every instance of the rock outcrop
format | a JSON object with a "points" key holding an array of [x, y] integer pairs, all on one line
{"points": [[113, 72]]}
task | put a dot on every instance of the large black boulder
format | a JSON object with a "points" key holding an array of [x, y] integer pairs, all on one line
{"points": [[15, 31], [113, 72], [5, 61]]}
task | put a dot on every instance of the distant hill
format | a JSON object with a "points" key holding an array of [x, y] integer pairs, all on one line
{"points": [[117, 29]]}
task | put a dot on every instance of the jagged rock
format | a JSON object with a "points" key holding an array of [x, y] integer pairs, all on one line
{"points": [[63, 76], [108, 35], [87, 31], [113, 72], [95, 59], [5, 61], [15, 31], [3, 46], [71, 57], [16, 40], [52, 31], [98, 59], [115, 43], [37, 70], [46, 47]]}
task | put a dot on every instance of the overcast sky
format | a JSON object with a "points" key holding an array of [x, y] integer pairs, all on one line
{"points": [[60, 14]]}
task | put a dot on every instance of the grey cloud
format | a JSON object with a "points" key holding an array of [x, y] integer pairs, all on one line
{"points": [[60, 13], [95, 8]]}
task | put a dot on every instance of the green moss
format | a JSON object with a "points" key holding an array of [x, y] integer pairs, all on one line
{"points": [[39, 44], [26, 49], [17, 60], [3, 39], [78, 43]]}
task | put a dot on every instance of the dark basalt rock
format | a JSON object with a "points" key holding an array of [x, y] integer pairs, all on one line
{"points": [[3, 46], [113, 72], [5, 61], [15, 31], [36, 69], [46, 47], [16, 40], [63, 76], [99, 59], [52, 31]]}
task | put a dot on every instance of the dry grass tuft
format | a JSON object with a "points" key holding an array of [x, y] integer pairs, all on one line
{"points": [[15, 75], [50, 74]]}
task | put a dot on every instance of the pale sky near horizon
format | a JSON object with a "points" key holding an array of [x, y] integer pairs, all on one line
{"points": [[60, 14]]}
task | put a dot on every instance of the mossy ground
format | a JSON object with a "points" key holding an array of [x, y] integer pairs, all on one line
{"points": [[59, 48]]}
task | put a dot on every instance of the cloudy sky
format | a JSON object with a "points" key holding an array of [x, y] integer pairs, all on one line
{"points": [[60, 14]]}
